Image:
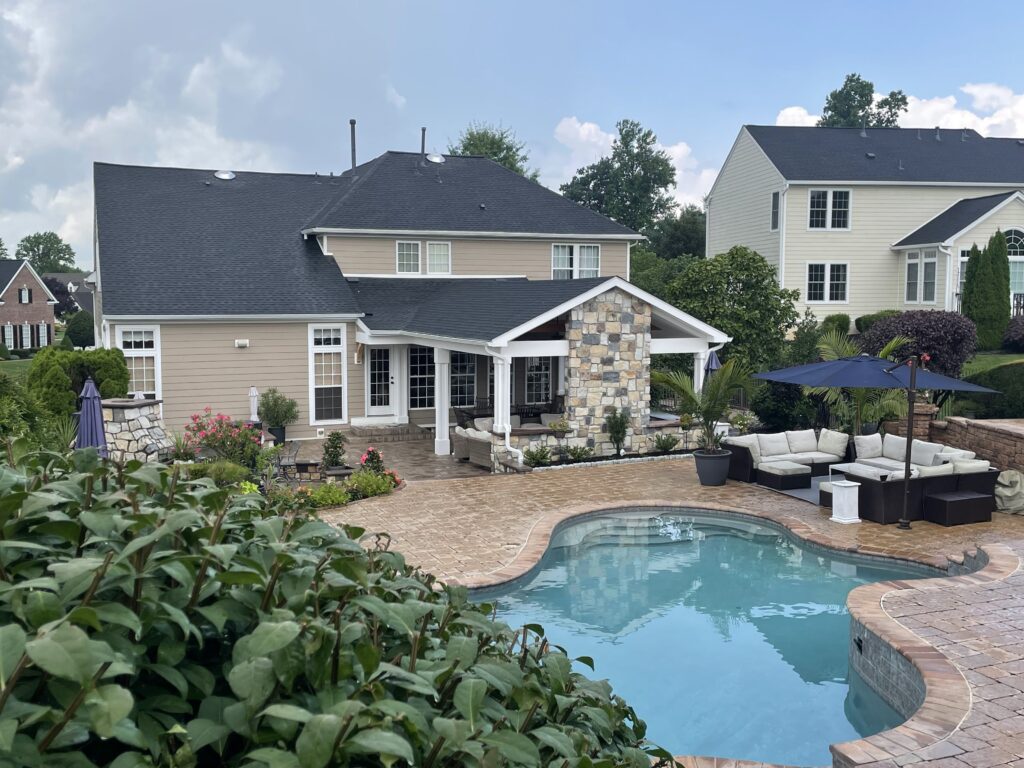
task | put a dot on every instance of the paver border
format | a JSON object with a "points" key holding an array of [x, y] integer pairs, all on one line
{"points": [[948, 698]]}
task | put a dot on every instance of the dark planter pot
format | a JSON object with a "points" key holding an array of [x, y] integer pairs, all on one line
{"points": [[712, 468], [278, 434], [869, 428]]}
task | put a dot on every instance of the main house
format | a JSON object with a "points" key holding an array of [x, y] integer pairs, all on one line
{"points": [[860, 220], [393, 293], [26, 307]]}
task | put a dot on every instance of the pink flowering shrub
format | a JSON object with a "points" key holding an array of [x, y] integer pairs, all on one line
{"points": [[219, 434], [373, 461]]}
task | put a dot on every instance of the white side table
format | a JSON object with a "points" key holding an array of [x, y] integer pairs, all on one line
{"points": [[844, 502]]}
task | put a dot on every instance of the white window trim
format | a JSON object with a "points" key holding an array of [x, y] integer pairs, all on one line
{"points": [[23, 295], [771, 205], [828, 282], [575, 258], [920, 261], [472, 379], [427, 255], [828, 211], [42, 334], [9, 337], [526, 380], [419, 257], [155, 353], [311, 350]]}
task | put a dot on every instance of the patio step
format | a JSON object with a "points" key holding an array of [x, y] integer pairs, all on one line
{"points": [[397, 433]]}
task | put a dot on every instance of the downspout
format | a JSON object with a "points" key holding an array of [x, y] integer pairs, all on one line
{"points": [[947, 298], [784, 199]]}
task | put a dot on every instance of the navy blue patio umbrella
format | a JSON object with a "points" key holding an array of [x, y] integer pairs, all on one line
{"points": [[713, 364], [867, 372], [90, 420]]}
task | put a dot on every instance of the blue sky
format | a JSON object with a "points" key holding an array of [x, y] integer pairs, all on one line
{"points": [[271, 86]]}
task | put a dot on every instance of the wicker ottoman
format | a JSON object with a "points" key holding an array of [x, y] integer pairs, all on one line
{"points": [[784, 475], [825, 495]]}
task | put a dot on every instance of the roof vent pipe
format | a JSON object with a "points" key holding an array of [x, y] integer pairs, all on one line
{"points": [[352, 134], [864, 127], [963, 135], [938, 136], [423, 141]]}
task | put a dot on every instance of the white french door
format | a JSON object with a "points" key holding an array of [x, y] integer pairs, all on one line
{"points": [[381, 391]]}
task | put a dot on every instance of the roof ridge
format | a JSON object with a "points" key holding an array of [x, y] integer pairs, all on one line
{"points": [[356, 181]]}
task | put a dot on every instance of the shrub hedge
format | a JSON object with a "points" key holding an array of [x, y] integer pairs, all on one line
{"points": [[1008, 380], [150, 620], [58, 375], [1013, 339], [948, 337], [838, 322], [864, 322]]}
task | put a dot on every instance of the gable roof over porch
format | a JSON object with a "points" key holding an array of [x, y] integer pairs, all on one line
{"points": [[957, 219]]}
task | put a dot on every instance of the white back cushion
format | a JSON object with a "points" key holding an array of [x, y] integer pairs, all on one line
{"points": [[830, 441], [894, 447], [485, 425], [970, 466], [955, 454], [773, 444], [802, 441], [514, 422], [750, 443], [924, 454], [460, 431], [941, 469], [868, 446]]}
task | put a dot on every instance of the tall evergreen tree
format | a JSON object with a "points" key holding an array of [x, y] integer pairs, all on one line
{"points": [[967, 301], [988, 293]]}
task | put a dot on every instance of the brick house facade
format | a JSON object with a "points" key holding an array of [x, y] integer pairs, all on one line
{"points": [[26, 307]]}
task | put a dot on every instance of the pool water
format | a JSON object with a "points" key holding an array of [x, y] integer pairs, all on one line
{"points": [[727, 637]]}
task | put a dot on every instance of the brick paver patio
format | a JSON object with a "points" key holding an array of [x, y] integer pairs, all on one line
{"points": [[967, 632]]}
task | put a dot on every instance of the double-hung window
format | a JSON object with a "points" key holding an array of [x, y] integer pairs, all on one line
{"points": [[327, 375], [44, 335], [828, 209], [774, 224], [570, 261], [827, 282], [421, 377], [919, 283], [9, 336], [538, 380], [24, 295], [141, 348], [463, 379], [439, 258], [407, 256]]}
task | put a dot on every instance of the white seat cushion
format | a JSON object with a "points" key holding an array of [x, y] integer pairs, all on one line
{"points": [[941, 469], [515, 422], [460, 432], [484, 424], [924, 454], [478, 434], [894, 447], [819, 457], [795, 458], [955, 454], [830, 441], [547, 418], [802, 441], [784, 468], [749, 442], [825, 487], [970, 466], [881, 463], [868, 446], [863, 470], [773, 445]]}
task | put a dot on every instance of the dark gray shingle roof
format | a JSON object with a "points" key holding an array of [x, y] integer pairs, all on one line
{"points": [[470, 308], [401, 191], [176, 241], [84, 299], [900, 154], [8, 269], [954, 219]]}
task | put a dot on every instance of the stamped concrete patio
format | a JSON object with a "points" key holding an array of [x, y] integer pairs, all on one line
{"points": [[965, 635]]}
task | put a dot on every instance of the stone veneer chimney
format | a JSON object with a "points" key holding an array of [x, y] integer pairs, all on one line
{"points": [[135, 430]]}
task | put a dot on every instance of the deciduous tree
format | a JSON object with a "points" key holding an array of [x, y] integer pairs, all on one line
{"points": [[46, 252], [65, 304], [854, 105], [3, 250], [498, 143], [680, 235]]}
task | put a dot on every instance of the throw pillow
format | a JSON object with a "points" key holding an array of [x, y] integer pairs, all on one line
{"points": [[941, 469], [484, 425], [970, 466], [894, 447], [923, 453]]}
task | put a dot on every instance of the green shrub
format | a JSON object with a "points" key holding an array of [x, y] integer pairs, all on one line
{"points": [[1013, 338], [66, 343], [58, 375], [1008, 380], [782, 406], [22, 412], [334, 449], [223, 473], [664, 442], [81, 329], [864, 322], [365, 483], [277, 409], [617, 422], [948, 338], [329, 495], [986, 298], [537, 457], [149, 621], [578, 453], [5, 353], [218, 434], [839, 322]]}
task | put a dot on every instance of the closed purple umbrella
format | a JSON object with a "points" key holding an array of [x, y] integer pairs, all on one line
{"points": [[90, 420]]}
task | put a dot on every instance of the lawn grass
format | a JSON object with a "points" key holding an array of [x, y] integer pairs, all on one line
{"points": [[16, 369], [985, 360]]}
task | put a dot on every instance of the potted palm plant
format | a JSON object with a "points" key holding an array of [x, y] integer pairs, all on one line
{"points": [[708, 406], [277, 411]]}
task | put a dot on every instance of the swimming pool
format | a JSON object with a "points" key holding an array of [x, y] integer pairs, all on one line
{"points": [[729, 637]]}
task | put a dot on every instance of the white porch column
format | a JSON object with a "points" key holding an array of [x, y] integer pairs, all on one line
{"points": [[442, 400], [561, 376], [700, 359], [502, 394]]}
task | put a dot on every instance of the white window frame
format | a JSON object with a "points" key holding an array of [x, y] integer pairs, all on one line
{"points": [[468, 378], [430, 271], [775, 212], [26, 335], [42, 334], [414, 375], [828, 210], [574, 257], [23, 295], [548, 374], [920, 258], [155, 353], [828, 282], [419, 257], [311, 355], [10, 337]]}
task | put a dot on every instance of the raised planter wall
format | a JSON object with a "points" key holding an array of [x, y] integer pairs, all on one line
{"points": [[1000, 441]]}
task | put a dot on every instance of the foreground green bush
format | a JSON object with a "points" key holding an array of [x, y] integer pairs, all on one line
{"points": [[148, 620]]}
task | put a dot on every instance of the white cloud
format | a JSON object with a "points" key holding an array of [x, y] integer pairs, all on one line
{"points": [[394, 98], [230, 70], [795, 116], [582, 143]]}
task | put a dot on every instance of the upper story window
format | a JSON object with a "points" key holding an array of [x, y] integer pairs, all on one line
{"points": [[828, 209], [141, 348], [1015, 243], [571, 261], [775, 211], [407, 254], [920, 277], [24, 295], [439, 258], [827, 282]]}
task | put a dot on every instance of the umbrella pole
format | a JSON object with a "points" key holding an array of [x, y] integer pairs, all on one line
{"points": [[904, 523]]}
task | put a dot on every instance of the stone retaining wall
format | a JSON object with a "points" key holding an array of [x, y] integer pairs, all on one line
{"points": [[999, 441], [135, 430]]}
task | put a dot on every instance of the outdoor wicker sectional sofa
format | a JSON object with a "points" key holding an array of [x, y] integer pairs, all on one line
{"points": [[817, 451]]}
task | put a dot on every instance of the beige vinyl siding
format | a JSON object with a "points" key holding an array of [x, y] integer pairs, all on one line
{"points": [[200, 367], [880, 215], [739, 211], [530, 258]]}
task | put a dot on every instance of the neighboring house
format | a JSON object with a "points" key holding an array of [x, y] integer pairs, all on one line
{"points": [[26, 306], [393, 293], [864, 220], [79, 285]]}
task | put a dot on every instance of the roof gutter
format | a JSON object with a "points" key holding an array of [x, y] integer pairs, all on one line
{"points": [[225, 318], [461, 233]]}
